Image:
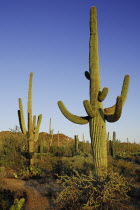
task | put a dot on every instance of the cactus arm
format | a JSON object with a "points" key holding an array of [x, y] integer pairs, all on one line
{"points": [[87, 75], [102, 94], [89, 108], [21, 117], [125, 87], [37, 128], [30, 123], [117, 113], [72, 117], [124, 92], [34, 122]]}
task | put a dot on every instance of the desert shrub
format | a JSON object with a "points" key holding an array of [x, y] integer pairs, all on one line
{"points": [[30, 172], [2, 172], [62, 151], [84, 192], [83, 164], [137, 159], [69, 151], [61, 168], [57, 150], [87, 168], [125, 168], [12, 152], [83, 147], [66, 166]]}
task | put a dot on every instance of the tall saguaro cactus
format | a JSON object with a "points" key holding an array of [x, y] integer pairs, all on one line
{"points": [[96, 114], [51, 131], [33, 127]]}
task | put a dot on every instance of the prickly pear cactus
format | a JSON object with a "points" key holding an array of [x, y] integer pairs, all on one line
{"points": [[96, 114]]}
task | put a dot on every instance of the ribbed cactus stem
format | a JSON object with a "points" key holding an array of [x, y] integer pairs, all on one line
{"points": [[50, 132], [113, 144], [76, 143], [34, 122], [96, 115], [33, 127], [21, 117], [30, 122], [50, 127], [36, 130]]}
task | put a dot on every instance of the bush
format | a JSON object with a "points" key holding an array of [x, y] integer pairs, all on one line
{"points": [[12, 152], [61, 168], [125, 168], [84, 192], [57, 151], [30, 172]]}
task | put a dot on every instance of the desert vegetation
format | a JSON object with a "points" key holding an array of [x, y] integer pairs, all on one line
{"points": [[65, 174], [40, 170]]}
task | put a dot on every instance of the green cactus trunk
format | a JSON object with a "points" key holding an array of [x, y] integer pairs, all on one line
{"points": [[99, 146], [96, 115], [41, 148], [51, 133], [33, 128], [76, 144], [114, 144]]}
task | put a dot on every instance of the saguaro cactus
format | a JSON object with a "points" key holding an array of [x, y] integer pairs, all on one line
{"points": [[51, 133], [33, 126], [96, 115], [76, 144], [113, 144]]}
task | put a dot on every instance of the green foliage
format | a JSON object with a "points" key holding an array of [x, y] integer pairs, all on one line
{"points": [[2, 172], [12, 151], [57, 151], [61, 151], [30, 172], [62, 167], [125, 168], [66, 166], [84, 192], [84, 147]]}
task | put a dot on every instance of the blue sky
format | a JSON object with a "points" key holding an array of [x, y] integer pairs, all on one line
{"points": [[51, 39]]}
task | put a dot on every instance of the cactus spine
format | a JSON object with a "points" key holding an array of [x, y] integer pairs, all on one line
{"points": [[96, 115], [33, 127]]}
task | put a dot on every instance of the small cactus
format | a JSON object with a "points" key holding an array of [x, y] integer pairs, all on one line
{"points": [[76, 144], [18, 204]]}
